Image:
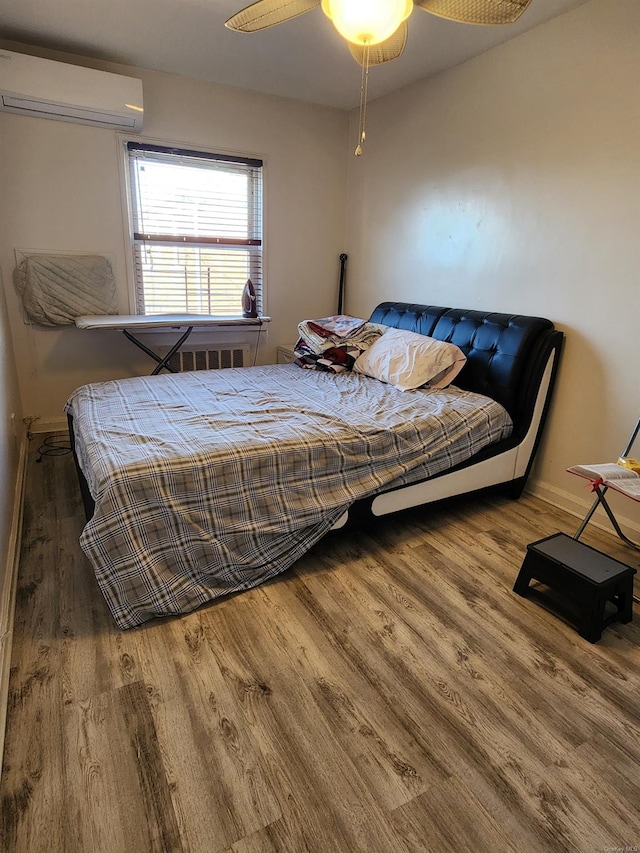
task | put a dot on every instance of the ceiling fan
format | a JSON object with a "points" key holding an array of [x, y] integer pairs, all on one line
{"points": [[379, 24], [375, 30]]}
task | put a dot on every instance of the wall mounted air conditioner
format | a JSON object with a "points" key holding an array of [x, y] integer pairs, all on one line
{"points": [[43, 88]]}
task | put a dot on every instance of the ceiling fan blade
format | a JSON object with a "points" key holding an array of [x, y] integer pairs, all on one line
{"points": [[267, 13], [475, 11], [387, 50]]}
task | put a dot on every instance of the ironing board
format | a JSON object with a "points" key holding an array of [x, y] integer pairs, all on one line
{"points": [[129, 324]]}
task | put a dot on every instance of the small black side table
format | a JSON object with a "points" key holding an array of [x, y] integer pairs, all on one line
{"points": [[585, 577]]}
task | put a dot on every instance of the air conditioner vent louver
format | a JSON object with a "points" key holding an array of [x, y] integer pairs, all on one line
{"points": [[41, 110]]}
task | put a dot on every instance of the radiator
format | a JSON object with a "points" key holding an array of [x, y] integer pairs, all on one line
{"points": [[210, 359]]}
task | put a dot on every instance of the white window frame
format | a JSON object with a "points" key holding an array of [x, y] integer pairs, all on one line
{"points": [[256, 262]]}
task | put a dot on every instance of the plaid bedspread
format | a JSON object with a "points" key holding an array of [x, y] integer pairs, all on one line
{"points": [[211, 482]]}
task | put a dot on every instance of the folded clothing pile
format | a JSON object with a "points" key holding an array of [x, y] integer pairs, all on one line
{"points": [[334, 343]]}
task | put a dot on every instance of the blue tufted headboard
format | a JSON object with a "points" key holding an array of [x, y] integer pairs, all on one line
{"points": [[506, 353]]}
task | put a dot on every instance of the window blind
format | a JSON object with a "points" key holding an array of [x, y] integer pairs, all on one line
{"points": [[197, 230]]}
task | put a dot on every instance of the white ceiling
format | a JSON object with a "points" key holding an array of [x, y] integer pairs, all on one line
{"points": [[303, 59]]}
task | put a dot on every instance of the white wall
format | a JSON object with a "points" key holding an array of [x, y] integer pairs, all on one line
{"points": [[12, 466], [512, 183], [11, 432], [62, 192]]}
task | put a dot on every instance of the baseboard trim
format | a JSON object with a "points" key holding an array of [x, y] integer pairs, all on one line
{"points": [[8, 592], [579, 506]]}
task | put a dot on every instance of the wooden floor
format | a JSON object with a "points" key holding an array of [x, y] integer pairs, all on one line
{"points": [[390, 693]]}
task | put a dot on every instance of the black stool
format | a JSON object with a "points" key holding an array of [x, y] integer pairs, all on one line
{"points": [[586, 578]]}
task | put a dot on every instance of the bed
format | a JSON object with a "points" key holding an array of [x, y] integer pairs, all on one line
{"points": [[201, 484]]}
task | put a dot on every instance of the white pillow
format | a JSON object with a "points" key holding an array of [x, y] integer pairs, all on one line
{"points": [[408, 360]]}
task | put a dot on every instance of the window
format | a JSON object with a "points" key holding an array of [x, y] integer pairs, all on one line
{"points": [[197, 230]]}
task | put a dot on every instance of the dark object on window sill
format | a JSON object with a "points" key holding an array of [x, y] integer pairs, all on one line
{"points": [[249, 303]]}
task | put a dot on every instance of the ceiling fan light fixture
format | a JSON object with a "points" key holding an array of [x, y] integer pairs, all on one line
{"points": [[367, 22], [376, 30]]}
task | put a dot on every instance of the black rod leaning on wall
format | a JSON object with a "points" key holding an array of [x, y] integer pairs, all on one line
{"points": [[343, 264]]}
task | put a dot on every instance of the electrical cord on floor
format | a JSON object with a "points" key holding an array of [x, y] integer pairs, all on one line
{"points": [[53, 445], [255, 352]]}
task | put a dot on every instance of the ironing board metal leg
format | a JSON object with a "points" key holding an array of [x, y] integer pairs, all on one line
{"points": [[162, 362]]}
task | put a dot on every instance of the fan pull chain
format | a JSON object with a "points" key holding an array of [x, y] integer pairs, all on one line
{"points": [[364, 86]]}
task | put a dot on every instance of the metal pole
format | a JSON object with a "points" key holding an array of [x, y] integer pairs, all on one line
{"points": [[343, 263]]}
